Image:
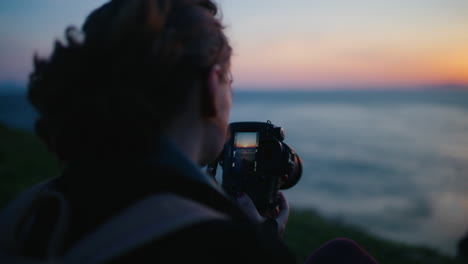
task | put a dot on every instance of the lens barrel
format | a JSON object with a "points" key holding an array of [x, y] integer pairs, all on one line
{"points": [[294, 169]]}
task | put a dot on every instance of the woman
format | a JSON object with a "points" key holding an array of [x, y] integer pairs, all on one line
{"points": [[133, 105]]}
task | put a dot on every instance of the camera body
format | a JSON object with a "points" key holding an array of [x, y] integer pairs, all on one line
{"points": [[255, 160]]}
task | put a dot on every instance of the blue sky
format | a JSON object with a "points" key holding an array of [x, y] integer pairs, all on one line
{"points": [[297, 43], [29, 26]]}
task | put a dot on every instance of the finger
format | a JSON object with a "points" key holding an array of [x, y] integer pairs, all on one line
{"points": [[211, 172], [282, 218], [248, 207], [283, 205], [244, 200], [272, 213]]}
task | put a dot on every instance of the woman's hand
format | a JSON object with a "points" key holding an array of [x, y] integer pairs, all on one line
{"points": [[280, 213], [249, 208], [283, 214]]}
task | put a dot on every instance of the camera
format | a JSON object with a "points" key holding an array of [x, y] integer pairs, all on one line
{"points": [[255, 160]]}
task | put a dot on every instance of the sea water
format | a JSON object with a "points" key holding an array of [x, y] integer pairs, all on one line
{"points": [[392, 162]]}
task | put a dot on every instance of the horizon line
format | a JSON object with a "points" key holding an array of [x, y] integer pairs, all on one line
{"points": [[11, 86]]}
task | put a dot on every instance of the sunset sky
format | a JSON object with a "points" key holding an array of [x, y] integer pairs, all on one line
{"points": [[246, 139], [296, 44]]}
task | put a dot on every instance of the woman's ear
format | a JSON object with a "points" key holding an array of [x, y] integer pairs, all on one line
{"points": [[210, 92]]}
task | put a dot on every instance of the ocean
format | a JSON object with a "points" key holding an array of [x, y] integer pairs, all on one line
{"points": [[392, 162]]}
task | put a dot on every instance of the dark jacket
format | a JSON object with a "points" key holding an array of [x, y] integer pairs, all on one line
{"points": [[97, 189]]}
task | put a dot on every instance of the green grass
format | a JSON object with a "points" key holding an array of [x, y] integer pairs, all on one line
{"points": [[25, 161], [308, 230]]}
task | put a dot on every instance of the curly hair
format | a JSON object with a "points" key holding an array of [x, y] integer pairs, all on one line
{"points": [[111, 89]]}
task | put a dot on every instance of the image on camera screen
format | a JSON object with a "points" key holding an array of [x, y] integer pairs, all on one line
{"points": [[245, 150]]}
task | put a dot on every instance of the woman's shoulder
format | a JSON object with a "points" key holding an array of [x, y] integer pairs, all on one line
{"points": [[214, 241]]}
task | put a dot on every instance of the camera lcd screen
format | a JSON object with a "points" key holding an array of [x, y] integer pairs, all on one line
{"points": [[245, 151]]}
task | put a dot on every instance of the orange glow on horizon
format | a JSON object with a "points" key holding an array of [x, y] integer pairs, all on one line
{"points": [[246, 140], [246, 145], [343, 61]]}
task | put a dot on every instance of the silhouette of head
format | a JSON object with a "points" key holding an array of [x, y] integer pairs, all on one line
{"points": [[115, 84]]}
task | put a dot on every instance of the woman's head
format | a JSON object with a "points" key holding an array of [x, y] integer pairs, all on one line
{"points": [[137, 66]]}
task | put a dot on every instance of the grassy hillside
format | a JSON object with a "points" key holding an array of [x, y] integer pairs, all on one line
{"points": [[308, 230], [25, 161]]}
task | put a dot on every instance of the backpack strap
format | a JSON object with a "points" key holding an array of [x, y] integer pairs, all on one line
{"points": [[14, 212], [16, 220], [146, 221]]}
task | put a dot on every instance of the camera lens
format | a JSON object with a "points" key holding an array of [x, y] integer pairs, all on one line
{"points": [[294, 169]]}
